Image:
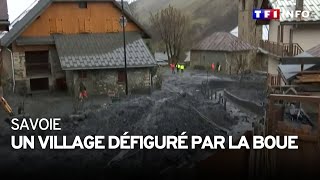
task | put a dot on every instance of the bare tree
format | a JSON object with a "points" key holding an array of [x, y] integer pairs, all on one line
{"points": [[239, 62], [172, 26]]}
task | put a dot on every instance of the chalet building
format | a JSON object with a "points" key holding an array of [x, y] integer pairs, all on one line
{"points": [[289, 37], [60, 43], [222, 48]]}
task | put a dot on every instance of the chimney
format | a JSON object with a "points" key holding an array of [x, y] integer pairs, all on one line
{"points": [[299, 5]]}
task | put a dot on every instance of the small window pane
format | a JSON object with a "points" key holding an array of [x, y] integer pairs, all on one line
{"points": [[83, 5]]}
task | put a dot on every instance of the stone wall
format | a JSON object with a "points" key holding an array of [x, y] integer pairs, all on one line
{"points": [[19, 66], [21, 78], [105, 82]]}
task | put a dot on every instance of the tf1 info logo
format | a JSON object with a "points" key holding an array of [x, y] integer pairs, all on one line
{"points": [[274, 14]]}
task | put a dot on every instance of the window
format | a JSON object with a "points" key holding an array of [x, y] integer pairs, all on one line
{"points": [[83, 5], [82, 74], [255, 3], [243, 5], [121, 76]]}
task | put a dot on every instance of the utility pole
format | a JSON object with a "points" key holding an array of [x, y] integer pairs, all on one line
{"points": [[123, 24]]}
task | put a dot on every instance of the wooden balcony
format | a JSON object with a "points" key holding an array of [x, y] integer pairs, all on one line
{"points": [[281, 49], [274, 80]]}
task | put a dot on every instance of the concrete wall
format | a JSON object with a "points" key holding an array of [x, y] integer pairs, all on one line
{"points": [[273, 31], [308, 36], [105, 82], [273, 63]]}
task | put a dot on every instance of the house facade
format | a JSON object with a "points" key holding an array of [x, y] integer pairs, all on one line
{"points": [[60, 43], [289, 36], [224, 49]]}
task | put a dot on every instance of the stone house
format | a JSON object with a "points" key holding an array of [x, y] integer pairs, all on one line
{"points": [[60, 43], [222, 48]]}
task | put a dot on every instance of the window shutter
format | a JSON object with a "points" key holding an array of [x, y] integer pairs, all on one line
{"points": [[87, 25], [53, 26], [115, 24], [59, 25], [109, 27], [81, 25]]}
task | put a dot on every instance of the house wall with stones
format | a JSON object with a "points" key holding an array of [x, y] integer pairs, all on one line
{"points": [[22, 79], [6, 71], [105, 82], [98, 82]]}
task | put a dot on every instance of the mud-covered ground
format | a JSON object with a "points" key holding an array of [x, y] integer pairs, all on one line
{"points": [[178, 107]]}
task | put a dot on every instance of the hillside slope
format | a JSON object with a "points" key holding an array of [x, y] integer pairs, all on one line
{"points": [[207, 16]]}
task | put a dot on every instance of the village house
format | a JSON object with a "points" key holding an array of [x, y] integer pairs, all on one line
{"points": [[289, 36], [60, 43], [224, 49], [161, 58]]}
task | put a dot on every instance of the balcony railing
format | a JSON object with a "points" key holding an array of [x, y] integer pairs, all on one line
{"points": [[274, 80], [281, 49], [35, 69]]}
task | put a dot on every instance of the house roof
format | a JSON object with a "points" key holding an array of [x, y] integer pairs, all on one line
{"points": [[313, 6], [315, 51], [289, 72], [161, 56], [41, 6], [223, 41], [102, 51]]}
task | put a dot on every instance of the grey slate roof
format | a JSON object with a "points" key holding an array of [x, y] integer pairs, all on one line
{"points": [[289, 72], [223, 41], [313, 6], [315, 51], [102, 51], [41, 6]]}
